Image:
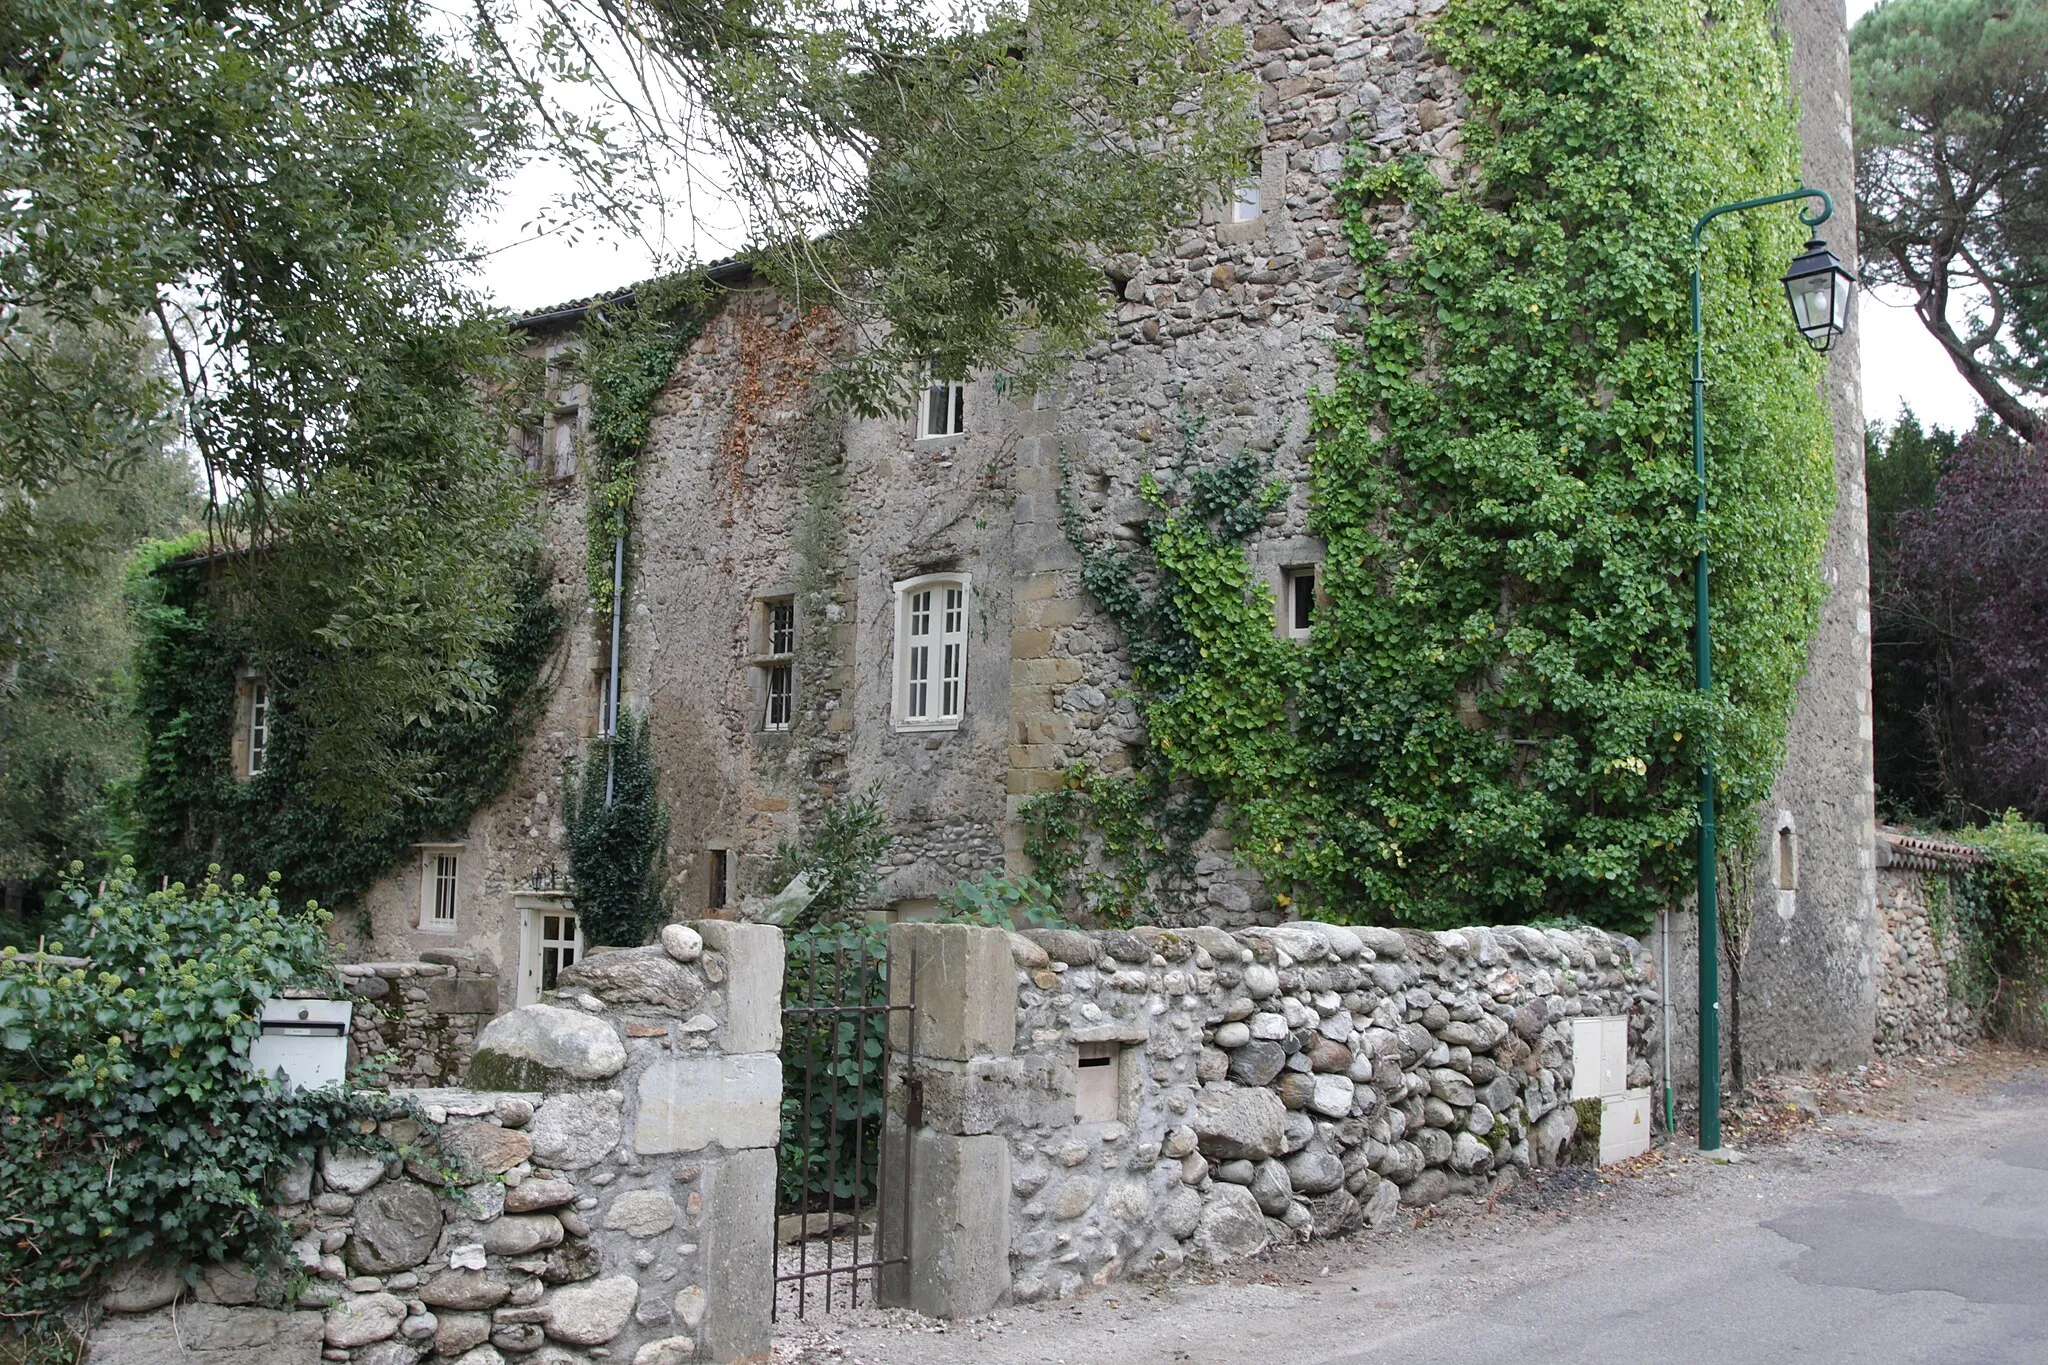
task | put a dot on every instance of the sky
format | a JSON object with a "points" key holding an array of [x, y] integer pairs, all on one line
{"points": [[531, 267]]}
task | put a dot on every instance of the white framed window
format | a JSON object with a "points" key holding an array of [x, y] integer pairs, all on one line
{"points": [[1244, 207], [259, 724], [782, 625], [440, 887], [775, 633], [931, 651], [943, 409], [1298, 602]]}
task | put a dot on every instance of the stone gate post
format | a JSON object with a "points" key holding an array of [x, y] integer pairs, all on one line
{"points": [[958, 1223]]}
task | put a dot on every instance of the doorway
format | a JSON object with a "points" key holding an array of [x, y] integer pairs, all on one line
{"points": [[550, 942]]}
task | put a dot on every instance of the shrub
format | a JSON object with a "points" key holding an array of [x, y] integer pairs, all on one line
{"points": [[1002, 901], [131, 1123], [2002, 908], [839, 858], [615, 847]]}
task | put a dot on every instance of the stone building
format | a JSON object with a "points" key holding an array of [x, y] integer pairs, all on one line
{"points": [[820, 603]]}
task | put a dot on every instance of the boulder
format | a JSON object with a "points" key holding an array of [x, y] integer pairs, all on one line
{"points": [[1470, 1156], [570, 1262], [1182, 1212], [1232, 1226], [470, 1291], [544, 1047], [139, 1286], [1271, 1189], [361, 1319], [1332, 1097], [1314, 1171], [348, 1171], [397, 1225], [681, 942], [591, 1314], [574, 1131], [455, 1333], [1070, 946], [1296, 1089], [533, 1195], [521, 1234], [1335, 1214], [477, 1150], [1028, 955], [1431, 1187], [390, 1351], [641, 1213], [666, 1351], [1452, 1087], [636, 976], [1238, 1124], [1548, 1138], [1255, 1064]]}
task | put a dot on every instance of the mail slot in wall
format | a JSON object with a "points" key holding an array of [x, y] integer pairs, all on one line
{"points": [[304, 1043], [1096, 1085]]}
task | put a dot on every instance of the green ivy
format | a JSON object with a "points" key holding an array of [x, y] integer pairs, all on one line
{"points": [[631, 349], [190, 809], [2001, 909], [131, 1124], [615, 848], [1495, 717]]}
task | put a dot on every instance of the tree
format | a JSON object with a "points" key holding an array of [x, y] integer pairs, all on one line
{"points": [[68, 734], [953, 178], [1951, 126], [1969, 590], [277, 190]]}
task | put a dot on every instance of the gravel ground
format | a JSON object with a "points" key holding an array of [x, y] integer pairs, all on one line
{"points": [[1893, 1215]]}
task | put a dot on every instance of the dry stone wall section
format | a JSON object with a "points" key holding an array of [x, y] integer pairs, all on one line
{"points": [[1285, 1082], [422, 1017], [1920, 1006], [617, 1183]]}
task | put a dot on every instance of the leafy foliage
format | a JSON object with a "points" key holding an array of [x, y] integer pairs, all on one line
{"points": [[68, 734], [1951, 123], [279, 191], [2002, 908], [946, 175], [1495, 716], [839, 857], [191, 809], [1000, 900], [615, 845], [130, 1121], [631, 348], [833, 1064], [1962, 610]]}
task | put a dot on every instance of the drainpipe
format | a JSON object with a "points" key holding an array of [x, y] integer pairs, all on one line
{"points": [[611, 682], [1664, 995]]}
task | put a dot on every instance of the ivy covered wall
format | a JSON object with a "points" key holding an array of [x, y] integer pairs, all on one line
{"points": [[1494, 718]]}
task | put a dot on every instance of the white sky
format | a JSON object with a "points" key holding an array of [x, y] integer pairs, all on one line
{"points": [[531, 267]]}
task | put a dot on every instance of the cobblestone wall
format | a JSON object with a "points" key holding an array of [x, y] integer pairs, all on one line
{"points": [[423, 1016], [1271, 1083], [617, 1204], [1919, 1009]]}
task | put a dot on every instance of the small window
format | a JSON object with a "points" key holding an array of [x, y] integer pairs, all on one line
{"points": [[562, 444], [440, 888], [781, 697], [721, 879], [599, 717], [1298, 602], [1244, 208], [931, 651], [533, 449], [1788, 856], [944, 410], [259, 725], [782, 626]]}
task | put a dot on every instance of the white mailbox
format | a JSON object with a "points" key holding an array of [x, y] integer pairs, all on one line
{"points": [[304, 1043]]}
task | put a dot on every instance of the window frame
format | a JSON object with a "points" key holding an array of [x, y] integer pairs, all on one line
{"points": [[258, 736], [955, 409], [775, 640], [1291, 577], [1251, 185], [941, 638], [440, 865]]}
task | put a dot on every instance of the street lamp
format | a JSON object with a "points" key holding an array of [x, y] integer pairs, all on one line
{"points": [[1818, 289]]}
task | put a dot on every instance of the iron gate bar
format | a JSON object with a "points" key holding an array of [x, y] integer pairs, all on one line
{"points": [[833, 1017]]}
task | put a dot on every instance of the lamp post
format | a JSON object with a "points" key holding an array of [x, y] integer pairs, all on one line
{"points": [[1818, 288]]}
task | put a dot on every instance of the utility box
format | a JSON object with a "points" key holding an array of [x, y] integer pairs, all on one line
{"points": [[1600, 1072], [304, 1043]]}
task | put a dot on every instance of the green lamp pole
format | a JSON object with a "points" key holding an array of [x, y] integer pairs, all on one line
{"points": [[1818, 289]]}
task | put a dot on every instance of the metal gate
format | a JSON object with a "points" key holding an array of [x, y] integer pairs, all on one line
{"points": [[842, 1189]]}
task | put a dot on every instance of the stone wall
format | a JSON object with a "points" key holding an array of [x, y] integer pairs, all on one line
{"points": [[1919, 959], [423, 1016], [618, 1179], [1270, 1083]]}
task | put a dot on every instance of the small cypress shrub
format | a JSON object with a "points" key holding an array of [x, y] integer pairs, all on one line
{"points": [[615, 851]]}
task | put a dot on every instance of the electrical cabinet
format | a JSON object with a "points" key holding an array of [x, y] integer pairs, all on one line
{"points": [[1600, 1071]]}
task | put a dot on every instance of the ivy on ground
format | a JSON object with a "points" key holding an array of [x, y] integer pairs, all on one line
{"points": [[1495, 715], [131, 1123], [190, 807]]}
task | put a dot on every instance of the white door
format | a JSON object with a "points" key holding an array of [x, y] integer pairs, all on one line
{"points": [[550, 941]]}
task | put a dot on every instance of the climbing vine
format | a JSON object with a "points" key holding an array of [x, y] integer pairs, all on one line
{"points": [[191, 809], [632, 346], [1495, 715]]}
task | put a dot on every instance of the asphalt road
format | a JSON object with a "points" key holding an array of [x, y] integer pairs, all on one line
{"points": [[1914, 1231]]}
